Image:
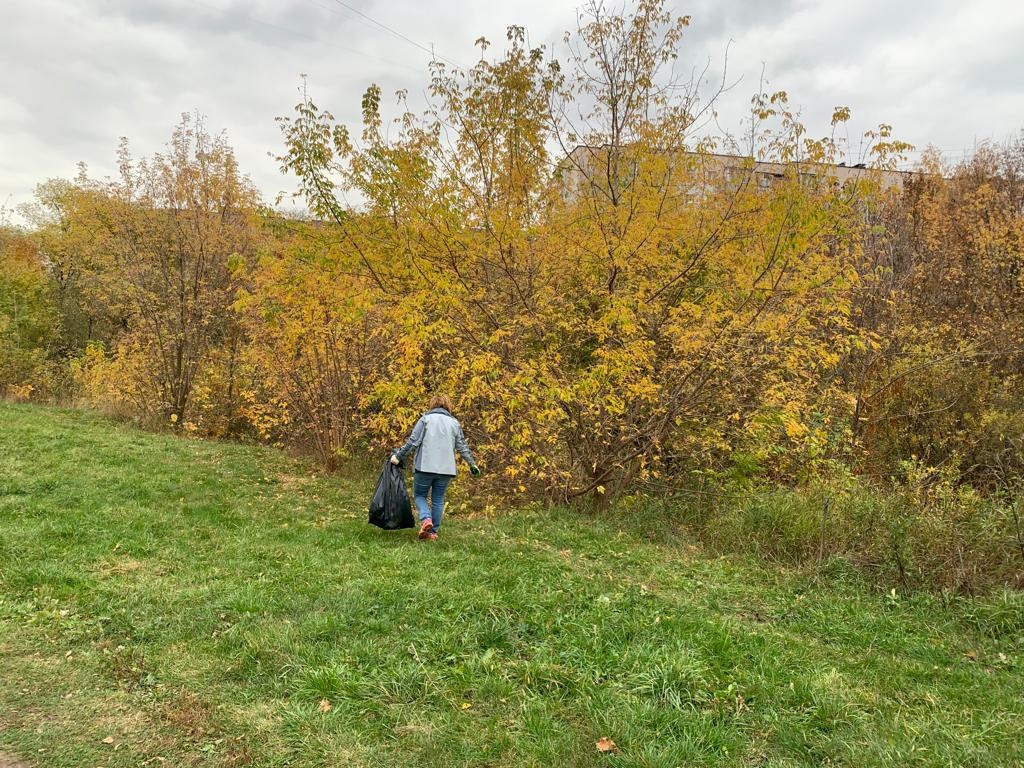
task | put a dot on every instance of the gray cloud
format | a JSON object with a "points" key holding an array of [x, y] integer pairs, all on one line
{"points": [[78, 74]]}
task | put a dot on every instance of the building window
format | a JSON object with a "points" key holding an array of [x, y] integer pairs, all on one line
{"points": [[809, 180]]}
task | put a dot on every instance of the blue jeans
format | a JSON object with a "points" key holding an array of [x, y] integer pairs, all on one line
{"points": [[436, 484]]}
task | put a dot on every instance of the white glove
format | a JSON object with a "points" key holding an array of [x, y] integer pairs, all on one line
{"points": [[394, 459]]}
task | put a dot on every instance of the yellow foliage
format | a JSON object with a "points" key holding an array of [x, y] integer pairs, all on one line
{"points": [[628, 308], [590, 323], [117, 383]]}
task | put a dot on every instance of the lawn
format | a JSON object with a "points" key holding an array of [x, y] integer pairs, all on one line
{"points": [[166, 601]]}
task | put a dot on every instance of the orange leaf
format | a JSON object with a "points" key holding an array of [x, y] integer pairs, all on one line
{"points": [[604, 744]]}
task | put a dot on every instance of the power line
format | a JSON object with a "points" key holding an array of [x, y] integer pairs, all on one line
{"points": [[313, 38], [398, 34]]}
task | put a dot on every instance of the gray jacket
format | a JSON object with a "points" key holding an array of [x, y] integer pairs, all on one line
{"points": [[435, 438]]}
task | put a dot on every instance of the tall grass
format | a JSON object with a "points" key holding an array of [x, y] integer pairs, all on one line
{"points": [[921, 531]]}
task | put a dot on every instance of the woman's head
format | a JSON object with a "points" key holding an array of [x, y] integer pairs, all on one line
{"points": [[440, 401]]}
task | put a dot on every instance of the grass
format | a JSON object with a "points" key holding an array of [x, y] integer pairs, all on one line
{"points": [[176, 602]]}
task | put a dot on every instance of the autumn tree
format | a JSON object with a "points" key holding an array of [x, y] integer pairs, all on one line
{"points": [[943, 383], [28, 318], [450, 212], [320, 342], [163, 241], [67, 231], [624, 309]]}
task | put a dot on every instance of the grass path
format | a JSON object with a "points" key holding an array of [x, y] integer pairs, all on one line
{"points": [[177, 602]]}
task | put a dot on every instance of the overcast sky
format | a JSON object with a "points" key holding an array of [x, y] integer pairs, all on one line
{"points": [[78, 74]]}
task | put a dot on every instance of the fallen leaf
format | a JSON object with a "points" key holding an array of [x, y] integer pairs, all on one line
{"points": [[466, 705], [972, 655], [108, 740], [604, 744], [325, 705]]}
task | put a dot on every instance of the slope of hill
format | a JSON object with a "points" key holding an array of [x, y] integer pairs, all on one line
{"points": [[176, 602]]}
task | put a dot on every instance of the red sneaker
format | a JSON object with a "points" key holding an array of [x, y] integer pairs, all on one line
{"points": [[426, 527]]}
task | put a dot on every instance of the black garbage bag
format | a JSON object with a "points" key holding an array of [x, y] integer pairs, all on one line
{"points": [[390, 508]]}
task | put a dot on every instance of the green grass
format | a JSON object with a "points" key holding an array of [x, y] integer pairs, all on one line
{"points": [[196, 602]]}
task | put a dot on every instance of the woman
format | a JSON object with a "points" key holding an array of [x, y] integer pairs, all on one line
{"points": [[435, 438]]}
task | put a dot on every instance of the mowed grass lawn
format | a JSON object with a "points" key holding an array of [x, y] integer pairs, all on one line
{"points": [[166, 601]]}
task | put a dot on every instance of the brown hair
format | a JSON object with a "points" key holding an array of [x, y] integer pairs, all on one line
{"points": [[440, 401]]}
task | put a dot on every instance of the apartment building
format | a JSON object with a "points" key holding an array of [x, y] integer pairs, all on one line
{"points": [[701, 172]]}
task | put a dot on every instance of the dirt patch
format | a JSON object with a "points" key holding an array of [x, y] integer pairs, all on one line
{"points": [[188, 713], [10, 761], [292, 482], [120, 567]]}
